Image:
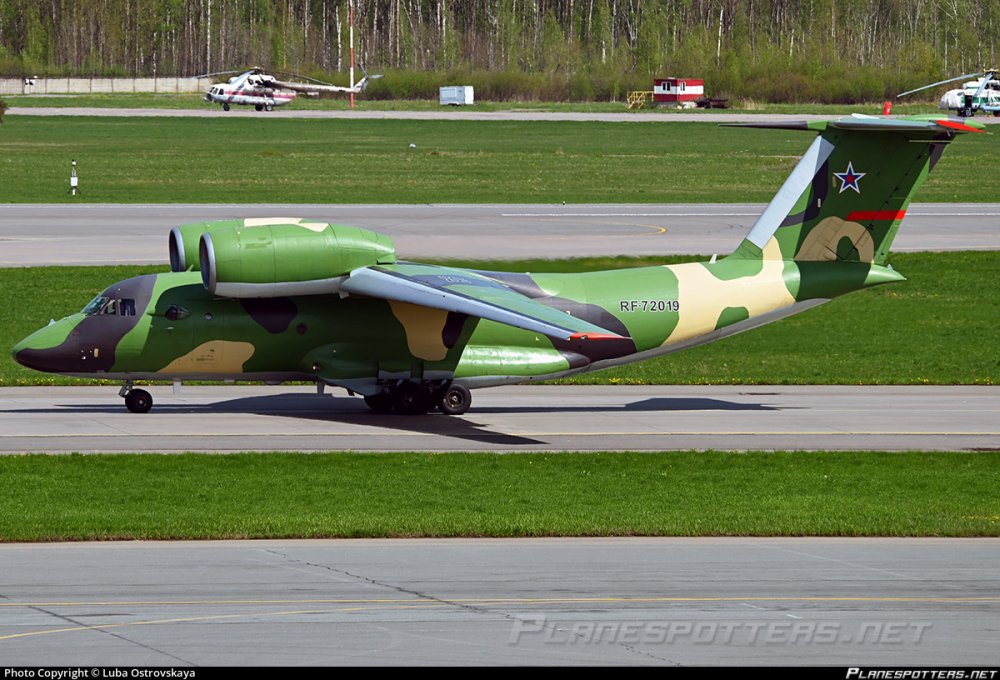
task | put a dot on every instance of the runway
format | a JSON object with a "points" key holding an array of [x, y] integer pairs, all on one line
{"points": [[91, 234], [663, 601], [511, 419]]}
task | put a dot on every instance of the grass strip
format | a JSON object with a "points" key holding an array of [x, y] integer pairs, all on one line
{"points": [[279, 160], [934, 328], [279, 495]]}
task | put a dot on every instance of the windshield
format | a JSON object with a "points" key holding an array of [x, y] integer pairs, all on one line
{"points": [[110, 306]]}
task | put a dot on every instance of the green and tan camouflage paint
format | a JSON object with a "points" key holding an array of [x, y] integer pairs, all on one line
{"points": [[827, 233]]}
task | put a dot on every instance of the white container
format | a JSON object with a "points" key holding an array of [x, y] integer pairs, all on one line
{"points": [[456, 95]]}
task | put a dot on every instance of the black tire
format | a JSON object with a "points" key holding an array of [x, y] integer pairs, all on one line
{"points": [[455, 401], [410, 399], [379, 403], [225, 107], [258, 107], [138, 401]]}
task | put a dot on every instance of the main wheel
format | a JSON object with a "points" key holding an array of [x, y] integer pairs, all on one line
{"points": [[455, 401], [379, 403], [258, 107], [138, 401], [410, 398], [268, 107]]}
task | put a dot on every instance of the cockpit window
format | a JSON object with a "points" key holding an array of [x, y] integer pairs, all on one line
{"points": [[106, 306], [95, 305]]}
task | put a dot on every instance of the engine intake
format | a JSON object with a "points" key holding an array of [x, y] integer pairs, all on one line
{"points": [[276, 260], [185, 238]]}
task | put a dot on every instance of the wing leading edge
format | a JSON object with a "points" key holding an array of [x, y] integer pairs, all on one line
{"points": [[457, 290]]}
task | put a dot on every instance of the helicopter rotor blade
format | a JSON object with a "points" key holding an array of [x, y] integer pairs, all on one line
{"points": [[241, 71], [988, 76], [940, 82], [304, 88], [311, 80]]}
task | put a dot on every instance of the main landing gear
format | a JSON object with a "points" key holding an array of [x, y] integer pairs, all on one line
{"points": [[136, 401], [411, 398]]}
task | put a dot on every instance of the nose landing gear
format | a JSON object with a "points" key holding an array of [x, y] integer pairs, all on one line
{"points": [[136, 401]]}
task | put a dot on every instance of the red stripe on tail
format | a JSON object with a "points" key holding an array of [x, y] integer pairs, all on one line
{"points": [[875, 215]]}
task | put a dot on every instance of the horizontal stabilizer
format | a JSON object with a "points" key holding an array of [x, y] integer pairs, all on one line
{"points": [[922, 123]]}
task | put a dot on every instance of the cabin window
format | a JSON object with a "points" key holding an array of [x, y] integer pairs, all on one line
{"points": [[176, 312]]}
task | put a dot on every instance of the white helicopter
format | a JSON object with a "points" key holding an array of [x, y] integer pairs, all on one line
{"points": [[264, 92], [981, 94]]}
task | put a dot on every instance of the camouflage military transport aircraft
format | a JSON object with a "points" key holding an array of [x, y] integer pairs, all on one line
{"points": [[298, 300]]}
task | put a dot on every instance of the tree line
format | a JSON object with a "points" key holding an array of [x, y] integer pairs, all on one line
{"points": [[779, 50]]}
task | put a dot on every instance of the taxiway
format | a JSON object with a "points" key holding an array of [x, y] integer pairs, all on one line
{"points": [[518, 418], [444, 113]]}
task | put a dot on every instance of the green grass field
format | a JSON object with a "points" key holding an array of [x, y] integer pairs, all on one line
{"points": [[275, 495], [272, 160], [936, 327]]}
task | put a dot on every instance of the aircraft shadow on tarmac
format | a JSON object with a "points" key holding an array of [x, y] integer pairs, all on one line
{"points": [[353, 411]]}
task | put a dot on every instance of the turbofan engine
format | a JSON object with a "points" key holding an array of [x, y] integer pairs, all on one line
{"points": [[263, 258]]}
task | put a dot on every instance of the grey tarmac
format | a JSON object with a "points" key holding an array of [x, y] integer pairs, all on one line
{"points": [[551, 601], [512, 419], [91, 234], [449, 113]]}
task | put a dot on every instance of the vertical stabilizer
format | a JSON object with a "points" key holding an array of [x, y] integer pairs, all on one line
{"points": [[847, 195]]}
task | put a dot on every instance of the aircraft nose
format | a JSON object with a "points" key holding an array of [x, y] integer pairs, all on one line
{"points": [[16, 349], [51, 349]]}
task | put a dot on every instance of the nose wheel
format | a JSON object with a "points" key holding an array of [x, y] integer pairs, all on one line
{"points": [[136, 401]]}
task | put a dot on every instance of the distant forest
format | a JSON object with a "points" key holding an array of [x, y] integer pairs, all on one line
{"points": [[782, 50]]}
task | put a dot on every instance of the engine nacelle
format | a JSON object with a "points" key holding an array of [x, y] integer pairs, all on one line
{"points": [[301, 258], [184, 241]]}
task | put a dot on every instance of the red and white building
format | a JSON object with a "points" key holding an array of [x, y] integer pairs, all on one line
{"points": [[678, 90]]}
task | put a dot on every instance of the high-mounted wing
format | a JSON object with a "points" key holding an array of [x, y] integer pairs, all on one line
{"points": [[457, 290]]}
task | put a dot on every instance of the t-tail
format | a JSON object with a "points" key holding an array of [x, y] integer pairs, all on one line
{"points": [[845, 199]]}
